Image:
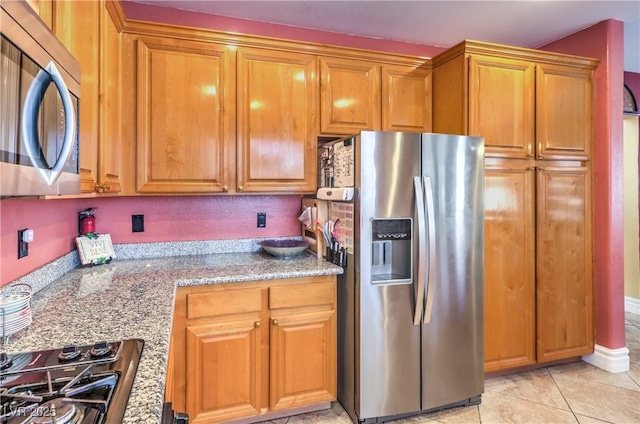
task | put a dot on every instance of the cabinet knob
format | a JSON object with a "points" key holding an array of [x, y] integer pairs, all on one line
{"points": [[257, 324], [98, 188], [540, 157], [240, 188], [274, 322], [107, 187], [225, 188], [529, 156], [531, 168], [541, 168]]}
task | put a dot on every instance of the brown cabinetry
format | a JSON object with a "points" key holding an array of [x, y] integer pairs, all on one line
{"points": [[248, 349], [185, 116], [534, 109], [358, 96], [277, 96], [88, 31]]}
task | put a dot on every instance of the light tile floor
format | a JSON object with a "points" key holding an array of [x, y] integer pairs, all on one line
{"points": [[570, 393]]}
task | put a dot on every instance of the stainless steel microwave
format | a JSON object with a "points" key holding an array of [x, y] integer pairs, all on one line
{"points": [[39, 101]]}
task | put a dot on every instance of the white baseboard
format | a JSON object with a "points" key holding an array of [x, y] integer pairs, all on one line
{"points": [[631, 304], [612, 360]]}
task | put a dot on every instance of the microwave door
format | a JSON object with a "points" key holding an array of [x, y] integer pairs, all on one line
{"points": [[9, 102], [31, 128]]}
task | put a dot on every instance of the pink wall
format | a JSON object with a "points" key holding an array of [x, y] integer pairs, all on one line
{"points": [[604, 41], [243, 26], [166, 219]]}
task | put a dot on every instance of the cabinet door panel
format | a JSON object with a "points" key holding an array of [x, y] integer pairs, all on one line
{"points": [[509, 296], [276, 121], [184, 118], [564, 112], [77, 25], [303, 359], [223, 371], [110, 128], [502, 105], [406, 94], [349, 96], [564, 287]]}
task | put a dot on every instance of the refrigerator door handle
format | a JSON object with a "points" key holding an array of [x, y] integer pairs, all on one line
{"points": [[430, 212], [422, 249]]}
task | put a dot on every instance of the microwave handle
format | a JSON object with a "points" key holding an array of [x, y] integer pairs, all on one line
{"points": [[30, 118]]}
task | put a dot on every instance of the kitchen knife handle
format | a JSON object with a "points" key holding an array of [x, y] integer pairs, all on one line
{"points": [[422, 249], [431, 222]]}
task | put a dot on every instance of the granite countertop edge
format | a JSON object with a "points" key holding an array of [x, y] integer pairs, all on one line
{"points": [[135, 299]]}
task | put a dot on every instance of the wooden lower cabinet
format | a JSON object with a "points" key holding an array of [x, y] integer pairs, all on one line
{"points": [[247, 349], [538, 298], [302, 359], [509, 272], [223, 370], [564, 263]]}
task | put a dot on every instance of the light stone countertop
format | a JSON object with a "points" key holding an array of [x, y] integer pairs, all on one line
{"points": [[135, 299]]}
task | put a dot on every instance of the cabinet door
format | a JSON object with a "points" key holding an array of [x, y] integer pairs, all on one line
{"points": [[502, 105], [223, 371], [77, 25], [109, 103], [509, 257], [277, 93], [44, 9], [564, 111], [185, 118], [564, 286], [303, 359], [349, 96], [406, 98]]}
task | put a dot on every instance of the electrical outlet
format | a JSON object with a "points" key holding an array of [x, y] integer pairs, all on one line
{"points": [[23, 246], [262, 219], [137, 223]]}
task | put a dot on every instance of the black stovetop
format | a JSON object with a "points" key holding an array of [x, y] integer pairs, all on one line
{"points": [[74, 384]]}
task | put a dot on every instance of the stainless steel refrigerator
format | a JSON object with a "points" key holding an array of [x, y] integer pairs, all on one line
{"points": [[410, 303]]}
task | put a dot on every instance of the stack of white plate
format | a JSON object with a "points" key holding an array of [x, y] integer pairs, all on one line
{"points": [[15, 309]]}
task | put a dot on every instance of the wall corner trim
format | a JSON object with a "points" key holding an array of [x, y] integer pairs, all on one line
{"points": [[631, 304], [611, 360]]}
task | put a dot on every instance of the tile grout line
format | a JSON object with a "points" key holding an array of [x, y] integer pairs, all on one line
{"points": [[562, 394]]}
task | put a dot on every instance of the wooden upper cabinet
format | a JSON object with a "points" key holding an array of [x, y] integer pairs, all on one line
{"points": [[349, 96], [564, 112], [509, 254], [44, 9], [564, 256], [109, 106], [277, 103], [185, 116], [406, 98], [502, 105], [77, 25]]}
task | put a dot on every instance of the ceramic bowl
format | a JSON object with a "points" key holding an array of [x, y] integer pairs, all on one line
{"points": [[284, 248]]}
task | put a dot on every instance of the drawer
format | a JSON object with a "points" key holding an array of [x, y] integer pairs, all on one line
{"points": [[223, 302], [309, 294]]}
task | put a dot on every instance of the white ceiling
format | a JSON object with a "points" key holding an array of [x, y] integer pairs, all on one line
{"points": [[524, 23]]}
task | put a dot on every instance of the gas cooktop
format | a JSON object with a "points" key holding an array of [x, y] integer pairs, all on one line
{"points": [[73, 384]]}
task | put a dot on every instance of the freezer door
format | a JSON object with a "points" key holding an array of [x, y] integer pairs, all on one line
{"points": [[452, 330], [388, 343]]}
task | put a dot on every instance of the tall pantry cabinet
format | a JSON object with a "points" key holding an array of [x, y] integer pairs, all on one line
{"points": [[535, 110]]}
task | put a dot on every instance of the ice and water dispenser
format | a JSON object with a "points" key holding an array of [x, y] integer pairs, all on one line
{"points": [[391, 251]]}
